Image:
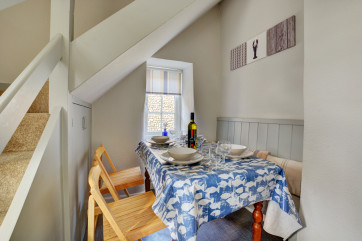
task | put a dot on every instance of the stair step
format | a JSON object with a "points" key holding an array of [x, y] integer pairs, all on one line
{"points": [[2, 216], [41, 102], [27, 135], [12, 169]]}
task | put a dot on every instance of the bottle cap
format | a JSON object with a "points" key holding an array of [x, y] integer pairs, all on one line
{"points": [[192, 115]]}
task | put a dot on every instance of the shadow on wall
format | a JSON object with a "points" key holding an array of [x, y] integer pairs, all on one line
{"points": [[88, 14]]}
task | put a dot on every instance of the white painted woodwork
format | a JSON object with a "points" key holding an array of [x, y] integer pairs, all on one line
{"points": [[89, 81], [115, 35], [36, 211], [187, 98], [61, 21], [282, 138], [253, 135], [8, 3], [285, 141], [297, 142], [230, 135], [262, 137], [237, 132], [244, 132], [272, 138], [223, 127], [17, 99], [79, 123]]}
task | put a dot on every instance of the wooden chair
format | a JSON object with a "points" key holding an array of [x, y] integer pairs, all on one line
{"points": [[124, 219], [122, 179]]}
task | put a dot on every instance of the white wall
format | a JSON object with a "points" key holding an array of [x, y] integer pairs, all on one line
{"points": [[200, 44], [331, 187], [88, 13], [24, 31], [117, 120], [271, 87]]}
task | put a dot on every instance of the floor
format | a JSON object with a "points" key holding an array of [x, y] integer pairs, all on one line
{"points": [[236, 226]]}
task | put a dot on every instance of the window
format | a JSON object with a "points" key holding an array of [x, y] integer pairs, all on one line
{"points": [[163, 100]]}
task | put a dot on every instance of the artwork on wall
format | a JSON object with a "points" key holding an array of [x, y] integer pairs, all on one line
{"points": [[238, 57], [276, 39], [235, 60], [256, 47]]}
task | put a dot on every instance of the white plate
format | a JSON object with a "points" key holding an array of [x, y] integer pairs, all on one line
{"points": [[155, 143], [194, 159], [245, 154]]}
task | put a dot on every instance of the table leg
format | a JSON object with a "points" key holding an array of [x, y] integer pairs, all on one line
{"points": [[258, 218], [147, 181]]}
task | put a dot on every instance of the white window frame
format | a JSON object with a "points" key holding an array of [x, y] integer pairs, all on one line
{"points": [[178, 110]]}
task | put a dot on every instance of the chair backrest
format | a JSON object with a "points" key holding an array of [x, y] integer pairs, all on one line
{"points": [[102, 150], [105, 176], [96, 197]]}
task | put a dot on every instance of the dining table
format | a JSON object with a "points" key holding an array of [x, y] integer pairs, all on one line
{"points": [[188, 196]]}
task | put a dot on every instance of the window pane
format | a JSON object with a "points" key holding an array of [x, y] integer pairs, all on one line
{"points": [[154, 103], [168, 103], [154, 122], [170, 120]]}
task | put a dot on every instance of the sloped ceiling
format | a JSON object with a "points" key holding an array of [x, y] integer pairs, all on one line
{"points": [[114, 48], [8, 3]]}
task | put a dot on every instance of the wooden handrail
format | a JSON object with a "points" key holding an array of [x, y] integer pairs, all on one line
{"points": [[17, 99]]}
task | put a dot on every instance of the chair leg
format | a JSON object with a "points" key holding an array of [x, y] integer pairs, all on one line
{"points": [[95, 220], [127, 193], [91, 226]]}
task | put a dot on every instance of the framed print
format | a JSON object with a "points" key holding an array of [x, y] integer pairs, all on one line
{"points": [[256, 48]]}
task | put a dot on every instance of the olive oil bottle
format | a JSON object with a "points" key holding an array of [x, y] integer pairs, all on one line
{"points": [[192, 133]]}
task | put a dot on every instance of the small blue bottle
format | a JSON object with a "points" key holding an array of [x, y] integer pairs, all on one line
{"points": [[164, 133]]}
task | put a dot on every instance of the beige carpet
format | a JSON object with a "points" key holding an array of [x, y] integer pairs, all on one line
{"points": [[28, 133], [18, 152]]}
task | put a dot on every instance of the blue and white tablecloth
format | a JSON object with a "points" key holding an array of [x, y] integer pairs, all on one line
{"points": [[188, 196]]}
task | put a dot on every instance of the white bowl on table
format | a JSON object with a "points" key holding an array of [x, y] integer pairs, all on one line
{"points": [[181, 153], [237, 150], [160, 139]]}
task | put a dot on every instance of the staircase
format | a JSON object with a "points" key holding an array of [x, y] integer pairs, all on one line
{"points": [[16, 156]]}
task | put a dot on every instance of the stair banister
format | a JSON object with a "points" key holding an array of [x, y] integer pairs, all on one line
{"points": [[42, 154], [17, 99]]}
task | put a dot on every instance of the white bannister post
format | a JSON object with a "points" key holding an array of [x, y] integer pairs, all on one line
{"points": [[61, 21]]}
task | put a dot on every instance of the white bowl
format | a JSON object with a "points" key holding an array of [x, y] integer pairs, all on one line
{"points": [[160, 139], [236, 150], [181, 153]]}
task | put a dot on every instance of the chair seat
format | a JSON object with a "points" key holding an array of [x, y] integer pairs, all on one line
{"points": [[135, 217], [123, 179]]}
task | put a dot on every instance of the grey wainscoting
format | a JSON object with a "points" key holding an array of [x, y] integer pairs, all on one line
{"points": [[282, 138]]}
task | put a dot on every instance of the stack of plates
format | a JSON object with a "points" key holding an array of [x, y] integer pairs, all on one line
{"points": [[245, 154], [197, 157], [160, 144]]}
